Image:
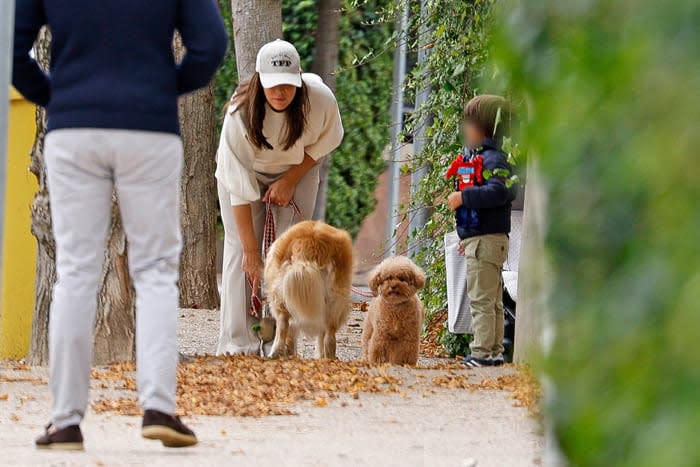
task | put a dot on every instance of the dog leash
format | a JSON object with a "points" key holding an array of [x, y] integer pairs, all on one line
{"points": [[269, 237], [258, 305], [362, 293], [270, 230]]}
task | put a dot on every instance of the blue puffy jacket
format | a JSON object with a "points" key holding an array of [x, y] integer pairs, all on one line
{"points": [[486, 207]]}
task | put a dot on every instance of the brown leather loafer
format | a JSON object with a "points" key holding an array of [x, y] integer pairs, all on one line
{"points": [[67, 439], [168, 429]]}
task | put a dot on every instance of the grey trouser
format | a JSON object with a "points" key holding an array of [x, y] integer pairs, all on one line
{"points": [[84, 166], [237, 336]]}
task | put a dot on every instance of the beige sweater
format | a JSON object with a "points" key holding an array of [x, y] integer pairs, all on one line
{"points": [[238, 160]]}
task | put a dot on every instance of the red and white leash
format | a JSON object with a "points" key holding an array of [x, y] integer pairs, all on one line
{"points": [[269, 236], [362, 292], [270, 230]]}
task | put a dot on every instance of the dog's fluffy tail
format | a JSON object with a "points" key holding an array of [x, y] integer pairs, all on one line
{"points": [[303, 290]]}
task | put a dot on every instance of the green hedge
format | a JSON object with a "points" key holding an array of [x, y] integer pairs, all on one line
{"points": [[613, 92], [363, 93], [364, 97]]}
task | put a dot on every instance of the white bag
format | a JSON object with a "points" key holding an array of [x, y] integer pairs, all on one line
{"points": [[459, 318], [510, 267]]}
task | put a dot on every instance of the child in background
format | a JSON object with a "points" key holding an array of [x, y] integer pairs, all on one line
{"points": [[483, 223]]}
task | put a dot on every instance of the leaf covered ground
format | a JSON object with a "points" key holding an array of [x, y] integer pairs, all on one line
{"points": [[253, 387]]}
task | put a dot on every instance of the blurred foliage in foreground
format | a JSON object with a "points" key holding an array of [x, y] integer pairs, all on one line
{"points": [[613, 88]]}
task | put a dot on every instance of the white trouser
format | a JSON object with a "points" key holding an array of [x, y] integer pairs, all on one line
{"points": [[83, 167], [237, 336]]}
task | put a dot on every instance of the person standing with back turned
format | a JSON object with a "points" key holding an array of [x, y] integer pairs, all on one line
{"points": [[111, 101]]}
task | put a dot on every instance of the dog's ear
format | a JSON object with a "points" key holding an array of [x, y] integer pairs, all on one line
{"points": [[418, 277], [375, 278]]}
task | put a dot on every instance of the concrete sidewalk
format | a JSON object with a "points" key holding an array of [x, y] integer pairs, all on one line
{"points": [[447, 427], [423, 424]]}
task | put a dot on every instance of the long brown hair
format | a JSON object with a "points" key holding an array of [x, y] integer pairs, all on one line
{"points": [[249, 99]]}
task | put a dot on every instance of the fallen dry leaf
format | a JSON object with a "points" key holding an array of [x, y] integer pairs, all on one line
{"points": [[4, 397], [524, 388], [527, 392], [22, 379], [24, 399], [452, 381], [430, 343], [14, 365], [321, 402], [118, 406], [253, 387]]}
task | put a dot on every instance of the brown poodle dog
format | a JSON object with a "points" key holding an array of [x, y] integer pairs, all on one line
{"points": [[392, 328], [308, 276]]}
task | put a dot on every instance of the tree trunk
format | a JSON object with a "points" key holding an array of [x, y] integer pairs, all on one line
{"points": [[324, 65], [534, 271], [255, 23], [43, 232], [115, 325], [114, 333], [326, 45], [198, 285]]}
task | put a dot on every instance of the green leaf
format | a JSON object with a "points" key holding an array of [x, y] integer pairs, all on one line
{"points": [[498, 121]]}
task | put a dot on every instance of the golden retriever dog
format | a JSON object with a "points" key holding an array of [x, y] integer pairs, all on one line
{"points": [[392, 327], [308, 276]]}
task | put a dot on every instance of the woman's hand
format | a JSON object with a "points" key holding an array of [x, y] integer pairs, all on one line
{"points": [[280, 192], [253, 268]]}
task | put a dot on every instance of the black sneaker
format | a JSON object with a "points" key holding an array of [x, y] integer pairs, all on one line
{"points": [[498, 359], [167, 429], [66, 439], [474, 362]]}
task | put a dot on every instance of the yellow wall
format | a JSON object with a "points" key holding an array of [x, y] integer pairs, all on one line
{"points": [[19, 246]]}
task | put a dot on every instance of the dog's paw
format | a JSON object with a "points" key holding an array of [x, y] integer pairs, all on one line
{"points": [[278, 351]]}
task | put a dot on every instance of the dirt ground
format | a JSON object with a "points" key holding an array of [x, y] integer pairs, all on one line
{"points": [[433, 415]]}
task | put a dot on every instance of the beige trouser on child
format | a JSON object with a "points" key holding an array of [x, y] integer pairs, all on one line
{"points": [[485, 257]]}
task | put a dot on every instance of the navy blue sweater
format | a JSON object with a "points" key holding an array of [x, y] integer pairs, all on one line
{"points": [[112, 64], [489, 204]]}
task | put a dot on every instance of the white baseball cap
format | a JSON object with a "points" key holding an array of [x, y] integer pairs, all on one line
{"points": [[278, 63]]}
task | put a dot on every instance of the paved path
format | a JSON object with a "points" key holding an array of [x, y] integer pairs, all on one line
{"points": [[424, 425]]}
